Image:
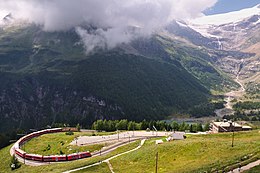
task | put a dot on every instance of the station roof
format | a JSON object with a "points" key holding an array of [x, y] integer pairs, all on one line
{"points": [[226, 124], [246, 127]]}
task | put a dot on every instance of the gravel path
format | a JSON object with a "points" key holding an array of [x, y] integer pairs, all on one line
{"points": [[246, 167]]}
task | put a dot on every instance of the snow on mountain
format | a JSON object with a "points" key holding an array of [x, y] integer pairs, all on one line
{"points": [[231, 17], [206, 24]]}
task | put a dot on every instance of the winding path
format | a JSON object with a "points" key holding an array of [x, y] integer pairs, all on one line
{"points": [[107, 160], [246, 167]]}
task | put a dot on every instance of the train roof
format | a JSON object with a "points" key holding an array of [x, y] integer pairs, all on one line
{"points": [[37, 155], [54, 156], [19, 150], [84, 152]]}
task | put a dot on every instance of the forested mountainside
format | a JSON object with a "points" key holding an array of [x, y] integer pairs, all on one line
{"points": [[47, 78]]}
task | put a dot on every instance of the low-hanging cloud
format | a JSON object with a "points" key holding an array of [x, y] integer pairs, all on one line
{"points": [[115, 21]]}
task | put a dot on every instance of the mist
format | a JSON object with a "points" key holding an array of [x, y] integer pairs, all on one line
{"points": [[115, 21]]}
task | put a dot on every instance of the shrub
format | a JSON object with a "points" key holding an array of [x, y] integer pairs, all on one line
{"points": [[14, 163], [69, 133], [47, 148], [61, 152]]}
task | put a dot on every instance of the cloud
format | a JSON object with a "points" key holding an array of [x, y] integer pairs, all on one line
{"points": [[116, 21]]}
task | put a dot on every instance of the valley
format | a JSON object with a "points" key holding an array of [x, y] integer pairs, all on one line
{"points": [[186, 70], [239, 38], [229, 97], [129, 86]]}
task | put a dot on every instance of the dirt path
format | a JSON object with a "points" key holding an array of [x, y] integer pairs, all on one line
{"points": [[246, 167]]}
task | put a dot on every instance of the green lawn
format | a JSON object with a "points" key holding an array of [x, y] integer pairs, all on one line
{"points": [[102, 168], [195, 154], [58, 143]]}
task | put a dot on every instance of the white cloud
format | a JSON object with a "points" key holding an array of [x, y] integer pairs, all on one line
{"points": [[113, 18]]}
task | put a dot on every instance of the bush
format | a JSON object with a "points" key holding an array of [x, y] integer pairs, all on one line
{"points": [[47, 148], [61, 152], [78, 127], [14, 163], [69, 133]]}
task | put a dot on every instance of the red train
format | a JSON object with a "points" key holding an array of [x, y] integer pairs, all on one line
{"points": [[40, 158], [20, 152], [52, 158]]}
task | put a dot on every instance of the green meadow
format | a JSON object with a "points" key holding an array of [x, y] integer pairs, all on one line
{"points": [[197, 153]]}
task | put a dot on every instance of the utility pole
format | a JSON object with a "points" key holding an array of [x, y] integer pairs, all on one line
{"points": [[117, 135], [156, 163], [233, 135]]}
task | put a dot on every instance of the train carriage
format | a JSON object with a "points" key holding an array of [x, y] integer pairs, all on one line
{"points": [[61, 158], [48, 158], [55, 158], [84, 155], [34, 157], [74, 156], [20, 152]]}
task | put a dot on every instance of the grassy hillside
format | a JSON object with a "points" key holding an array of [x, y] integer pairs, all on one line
{"points": [[194, 154]]}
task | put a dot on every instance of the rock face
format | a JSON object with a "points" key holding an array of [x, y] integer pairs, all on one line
{"points": [[241, 36], [29, 103]]}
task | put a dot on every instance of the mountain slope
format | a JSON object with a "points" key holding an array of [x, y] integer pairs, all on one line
{"points": [[231, 39], [46, 78]]}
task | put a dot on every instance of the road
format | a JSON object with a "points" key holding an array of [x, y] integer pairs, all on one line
{"points": [[121, 137]]}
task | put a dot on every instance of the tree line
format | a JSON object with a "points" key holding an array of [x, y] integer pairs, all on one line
{"points": [[246, 105], [113, 125]]}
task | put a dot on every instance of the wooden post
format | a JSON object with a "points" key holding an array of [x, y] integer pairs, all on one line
{"points": [[117, 135], [156, 163], [233, 137]]}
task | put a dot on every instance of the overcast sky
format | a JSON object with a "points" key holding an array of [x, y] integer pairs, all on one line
{"points": [[114, 19]]}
